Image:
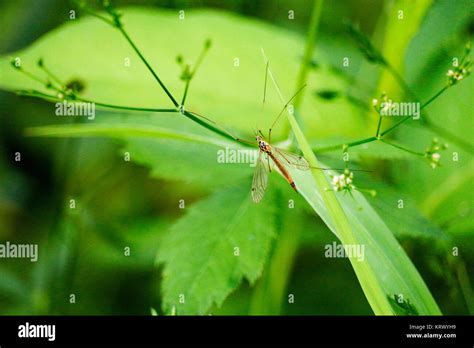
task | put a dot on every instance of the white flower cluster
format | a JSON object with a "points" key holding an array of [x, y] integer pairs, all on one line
{"points": [[384, 105], [343, 182], [459, 73], [432, 153]]}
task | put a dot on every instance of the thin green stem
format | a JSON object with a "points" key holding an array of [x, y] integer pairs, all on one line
{"points": [[218, 130], [424, 105], [451, 137], [404, 119], [36, 78], [37, 94], [95, 14], [390, 129], [185, 94], [402, 148], [52, 76], [309, 49], [340, 146], [362, 141], [429, 101], [135, 48], [50, 97], [120, 107], [378, 126], [196, 67], [426, 120], [201, 120]]}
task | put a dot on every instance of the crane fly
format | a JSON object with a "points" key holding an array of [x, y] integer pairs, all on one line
{"points": [[280, 159], [268, 155]]}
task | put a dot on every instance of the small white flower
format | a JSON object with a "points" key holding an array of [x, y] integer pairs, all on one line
{"points": [[343, 182]]}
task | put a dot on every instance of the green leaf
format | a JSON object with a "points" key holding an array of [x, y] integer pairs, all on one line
{"points": [[174, 148], [211, 271], [386, 269], [395, 206], [201, 265], [228, 87]]}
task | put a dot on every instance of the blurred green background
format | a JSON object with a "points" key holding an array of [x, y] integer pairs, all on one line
{"points": [[81, 251]]}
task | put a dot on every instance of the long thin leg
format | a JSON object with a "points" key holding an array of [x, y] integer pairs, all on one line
{"points": [[265, 85], [283, 110], [264, 92]]}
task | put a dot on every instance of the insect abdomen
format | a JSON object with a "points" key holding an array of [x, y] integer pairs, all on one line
{"points": [[293, 185], [283, 171]]}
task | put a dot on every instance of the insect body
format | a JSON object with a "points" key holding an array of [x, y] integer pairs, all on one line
{"points": [[269, 155], [274, 156]]}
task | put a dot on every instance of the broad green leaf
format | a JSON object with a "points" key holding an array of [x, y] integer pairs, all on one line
{"points": [[384, 257], [227, 92], [174, 148], [395, 206], [227, 88], [208, 252]]}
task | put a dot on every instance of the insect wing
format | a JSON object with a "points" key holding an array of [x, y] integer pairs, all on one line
{"points": [[260, 179], [291, 159]]}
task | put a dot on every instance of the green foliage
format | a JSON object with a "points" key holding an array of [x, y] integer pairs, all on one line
{"points": [[200, 267], [231, 71], [208, 252]]}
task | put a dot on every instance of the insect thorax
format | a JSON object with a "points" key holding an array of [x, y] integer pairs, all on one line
{"points": [[263, 145]]}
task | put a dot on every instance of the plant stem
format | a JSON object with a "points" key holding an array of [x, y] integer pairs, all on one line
{"points": [[451, 137], [364, 272], [120, 107], [124, 33], [402, 148], [425, 104], [185, 94], [368, 140], [426, 120], [429, 101], [221, 131], [95, 14], [309, 48], [378, 126], [198, 63], [340, 146], [404, 119], [268, 296], [50, 97]]}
